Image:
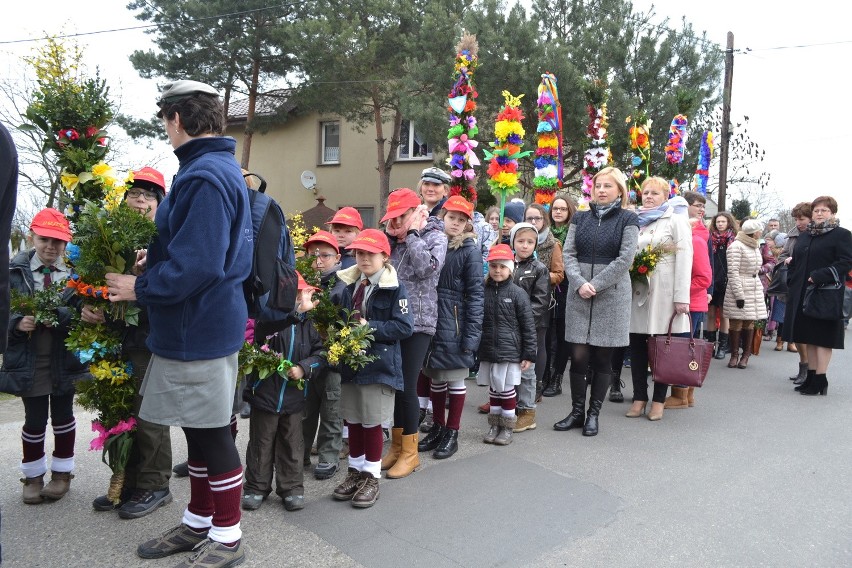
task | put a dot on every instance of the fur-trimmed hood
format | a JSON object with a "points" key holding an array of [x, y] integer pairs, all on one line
{"points": [[457, 241]]}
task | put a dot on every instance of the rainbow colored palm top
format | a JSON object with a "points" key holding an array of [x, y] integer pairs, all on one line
{"points": [[461, 104], [509, 139], [548, 154]]}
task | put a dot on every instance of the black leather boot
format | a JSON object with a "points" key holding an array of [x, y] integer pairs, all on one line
{"points": [[448, 446], [555, 386], [616, 386], [819, 385], [431, 440], [600, 384], [578, 404], [806, 382], [722, 346]]}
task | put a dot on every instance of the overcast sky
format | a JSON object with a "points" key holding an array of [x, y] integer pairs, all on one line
{"points": [[796, 98]]}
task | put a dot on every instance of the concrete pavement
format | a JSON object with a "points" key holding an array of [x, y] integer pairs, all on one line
{"points": [[753, 475]]}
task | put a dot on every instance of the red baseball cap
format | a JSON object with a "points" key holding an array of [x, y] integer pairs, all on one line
{"points": [[347, 216], [371, 240], [501, 252], [302, 284], [150, 175], [460, 204], [52, 224], [400, 201], [323, 237]]}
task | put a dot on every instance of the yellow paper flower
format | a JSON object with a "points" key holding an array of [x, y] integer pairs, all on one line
{"points": [[506, 180], [504, 128]]}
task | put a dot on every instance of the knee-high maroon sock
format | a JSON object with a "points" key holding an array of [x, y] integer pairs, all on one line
{"points": [[63, 439], [457, 394], [373, 440], [423, 385], [496, 400], [226, 489], [200, 498], [439, 399], [508, 400], [234, 426], [33, 443], [356, 440]]}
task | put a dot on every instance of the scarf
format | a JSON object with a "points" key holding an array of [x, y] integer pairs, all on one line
{"points": [[542, 236], [600, 211], [817, 229], [721, 239], [748, 241], [560, 233], [649, 215]]}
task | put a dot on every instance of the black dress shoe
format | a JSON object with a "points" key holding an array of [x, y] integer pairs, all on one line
{"points": [[448, 446], [432, 439]]}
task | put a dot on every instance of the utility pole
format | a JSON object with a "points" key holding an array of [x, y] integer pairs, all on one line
{"points": [[726, 121]]}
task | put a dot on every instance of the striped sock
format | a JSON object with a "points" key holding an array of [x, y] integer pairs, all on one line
{"points": [[33, 443], [226, 489], [234, 426], [200, 499], [63, 439], [439, 399], [457, 394]]}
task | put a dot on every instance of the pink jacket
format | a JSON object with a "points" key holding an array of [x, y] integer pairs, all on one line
{"points": [[702, 273]]}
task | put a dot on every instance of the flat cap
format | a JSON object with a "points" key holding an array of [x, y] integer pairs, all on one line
{"points": [[177, 90], [435, 175]]}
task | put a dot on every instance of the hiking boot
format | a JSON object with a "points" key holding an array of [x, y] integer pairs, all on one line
{"points": [[427, 423], [368, 492], [181, 470], [212, 554], [252, 501], [525, 420], [143, 502], [178, 539], [60, 483], [504, 438], [104, 503], [325, 470], [32, 489], [349, 486]]}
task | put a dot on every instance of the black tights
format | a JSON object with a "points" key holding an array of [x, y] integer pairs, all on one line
{"points": [[639, 370], [583, 354], [215, 446], [36, 407], [406, 410]]}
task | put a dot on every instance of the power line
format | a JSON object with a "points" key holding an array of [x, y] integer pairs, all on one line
{"points": [[748, 50]]}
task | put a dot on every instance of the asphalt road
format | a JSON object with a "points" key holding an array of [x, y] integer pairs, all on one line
{"points": [[753, 475]]}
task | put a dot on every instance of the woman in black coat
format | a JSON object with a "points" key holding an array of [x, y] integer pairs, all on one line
{"points": [[824, 245]]}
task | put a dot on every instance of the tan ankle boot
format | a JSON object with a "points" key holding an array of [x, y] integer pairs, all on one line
{"points": [[32, 489], [60, 483], [690, 396], [678, 399], [408, 459], [396, 447]]}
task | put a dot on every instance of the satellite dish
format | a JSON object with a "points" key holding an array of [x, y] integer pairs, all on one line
{"points": [[309, 180]]}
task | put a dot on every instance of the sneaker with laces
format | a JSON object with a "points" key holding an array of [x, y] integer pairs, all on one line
{"points": [[212, 554], [143, 502], [104, 503], [178, 539], [325, 470]]}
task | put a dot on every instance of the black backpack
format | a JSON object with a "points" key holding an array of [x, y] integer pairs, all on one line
{"points": [[270, 289]]}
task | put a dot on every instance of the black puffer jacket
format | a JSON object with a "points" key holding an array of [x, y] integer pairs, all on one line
{"points": [[16, 375], [301, 344], [460, 305], [508, 329], [534, 278]]}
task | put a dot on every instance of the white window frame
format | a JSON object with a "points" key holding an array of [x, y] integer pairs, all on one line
{"points": [[410, 145], [326, 152]]}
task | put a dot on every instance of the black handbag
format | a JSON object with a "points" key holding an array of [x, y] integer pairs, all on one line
{"points": [[825, 301], [778, 283]]}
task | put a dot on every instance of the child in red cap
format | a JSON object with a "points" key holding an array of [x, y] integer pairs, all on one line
{"points": [[345, 226], [275, 424], [508, 344], [37, 366], [367, 395]]}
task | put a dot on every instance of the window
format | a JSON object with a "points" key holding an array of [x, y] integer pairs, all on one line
{"points": [[330, 142], [412, 144], [368, 216]]}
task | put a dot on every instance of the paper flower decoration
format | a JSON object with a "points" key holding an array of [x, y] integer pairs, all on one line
{"points": [[674, 148], [509, 139], [640, 145], [461, 102], [597, 155], [548, 154], [705, 154]]}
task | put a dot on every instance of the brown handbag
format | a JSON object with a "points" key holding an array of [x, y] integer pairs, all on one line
{"points": [[679, 361]]}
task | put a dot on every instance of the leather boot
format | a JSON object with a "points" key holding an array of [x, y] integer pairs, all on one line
{"points": [[543, 384], [734, 342], [678, 399], [819, 385], [690, 396], [32, 489], [722, 346], [408, 459], [555, 386], [578, 404], [431, 440], [808, 380], [60, 483], [748, 337], [801, 375], [599, 387], [448, 446], [615, 386], [395, 448]]}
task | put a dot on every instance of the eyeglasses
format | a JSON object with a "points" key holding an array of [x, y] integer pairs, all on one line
{"points": [[148, 195], [822, 210], [699, 205], [559, 209], [534, 219], [322, 255]]}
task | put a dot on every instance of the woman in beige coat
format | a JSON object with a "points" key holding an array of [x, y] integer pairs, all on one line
{"points": [[744, 302], [662, 222]]}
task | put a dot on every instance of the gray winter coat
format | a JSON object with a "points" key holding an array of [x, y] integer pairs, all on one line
{"points": [[418, 261], [600, 251]]}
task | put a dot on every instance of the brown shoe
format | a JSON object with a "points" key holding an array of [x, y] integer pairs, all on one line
{"points": [[212, 554], [678, 399], [349, 486], [484, 408], [368, 492], [690, 396], [60, 483], [526, 420], [32, 489]]}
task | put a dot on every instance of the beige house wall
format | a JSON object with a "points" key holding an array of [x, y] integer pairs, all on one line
{"points": [[282, 154]]}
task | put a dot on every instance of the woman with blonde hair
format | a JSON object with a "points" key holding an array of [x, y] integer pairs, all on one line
{"points": [[664, 224]]}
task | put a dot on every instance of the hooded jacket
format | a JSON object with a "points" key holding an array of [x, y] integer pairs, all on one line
{"points": [[387, 312], [508, 329], [702, 271], [18, 370], [460, 306], [418, 261], [534, 278]]}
